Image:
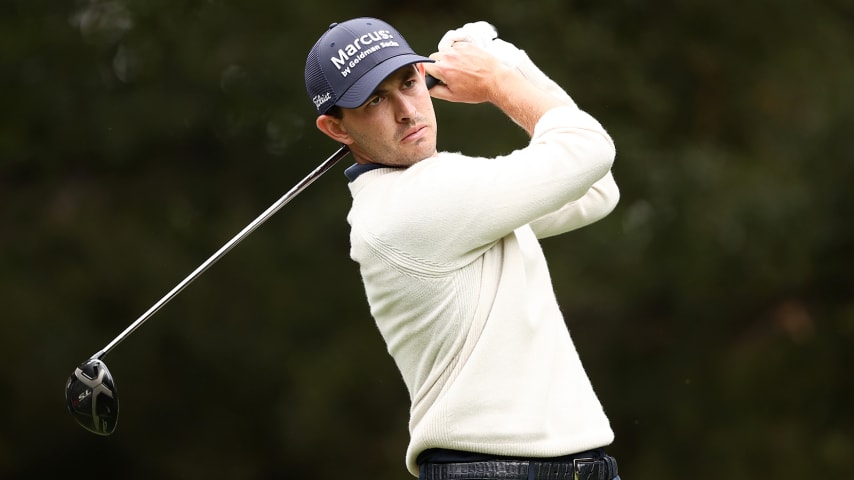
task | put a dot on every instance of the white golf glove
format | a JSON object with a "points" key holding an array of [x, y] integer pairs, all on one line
{"points": [[484, 35], [479, 33]]}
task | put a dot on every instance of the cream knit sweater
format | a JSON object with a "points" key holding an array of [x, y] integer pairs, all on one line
{"points": [[459, 289]]}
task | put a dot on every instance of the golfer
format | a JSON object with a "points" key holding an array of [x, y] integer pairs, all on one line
{"points": [[447, 246]]}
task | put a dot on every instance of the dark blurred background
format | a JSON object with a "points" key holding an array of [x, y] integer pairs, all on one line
{"points": [[713, 308]]}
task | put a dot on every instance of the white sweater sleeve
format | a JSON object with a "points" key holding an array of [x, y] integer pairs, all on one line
{"points": [[447, 209], [598, 202]]}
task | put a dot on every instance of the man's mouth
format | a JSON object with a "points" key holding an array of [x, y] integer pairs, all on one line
{"points": [[414, 134]]}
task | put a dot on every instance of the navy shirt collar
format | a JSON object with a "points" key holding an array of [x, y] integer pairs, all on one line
{"points": [[352, 172]]}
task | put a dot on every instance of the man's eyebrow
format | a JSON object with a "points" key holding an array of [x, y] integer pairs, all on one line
{"points": [[396, 77]]}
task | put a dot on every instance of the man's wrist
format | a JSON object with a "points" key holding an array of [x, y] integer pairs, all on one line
{"points": [[520, 99]]}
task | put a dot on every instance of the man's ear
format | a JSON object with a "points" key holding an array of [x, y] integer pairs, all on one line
{"points": [[333, 128], [421, 69]]}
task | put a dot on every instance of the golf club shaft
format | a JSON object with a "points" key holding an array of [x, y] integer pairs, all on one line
{"points": [[281, 202]]}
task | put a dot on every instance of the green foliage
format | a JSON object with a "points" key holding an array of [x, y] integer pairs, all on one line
{"points": [[713, 308]]}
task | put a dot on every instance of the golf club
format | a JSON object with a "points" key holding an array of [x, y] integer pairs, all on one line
{"points": [[90, 392]]}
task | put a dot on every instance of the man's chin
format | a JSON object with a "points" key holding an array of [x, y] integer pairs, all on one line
{"points": [[423, 152]]}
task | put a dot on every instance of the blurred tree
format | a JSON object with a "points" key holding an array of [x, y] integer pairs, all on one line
{"points": [[713, 307]]}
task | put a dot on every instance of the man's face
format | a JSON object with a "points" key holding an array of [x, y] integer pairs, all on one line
{"points": [[397, 125]]}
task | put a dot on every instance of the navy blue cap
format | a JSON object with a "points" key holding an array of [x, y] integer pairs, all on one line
{"points": [[351, 59]]}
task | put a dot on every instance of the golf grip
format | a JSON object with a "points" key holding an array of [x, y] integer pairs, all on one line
{"points": [[431, 81], [275, 207]]}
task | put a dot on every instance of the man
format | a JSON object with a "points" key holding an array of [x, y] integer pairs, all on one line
{"points": [[448, 248]]}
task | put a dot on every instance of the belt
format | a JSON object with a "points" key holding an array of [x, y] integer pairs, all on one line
{"points": [[602, 468]]}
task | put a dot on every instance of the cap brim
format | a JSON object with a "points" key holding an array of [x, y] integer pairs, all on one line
{"points": [[359, 92]]}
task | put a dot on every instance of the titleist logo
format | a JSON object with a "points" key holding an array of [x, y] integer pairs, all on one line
{"points": [[321, 99]]}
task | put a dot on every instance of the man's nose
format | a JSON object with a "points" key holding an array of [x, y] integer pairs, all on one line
{"points": [[405, 109]]}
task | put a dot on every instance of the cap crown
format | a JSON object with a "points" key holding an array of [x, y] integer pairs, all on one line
{"points": [[351, 59]]}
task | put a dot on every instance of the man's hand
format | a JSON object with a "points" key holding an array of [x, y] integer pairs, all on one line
{"points": [[470, 74], [485, 36]]}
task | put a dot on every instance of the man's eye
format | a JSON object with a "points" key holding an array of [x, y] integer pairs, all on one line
{"points": [[409, 83], [375, 101]]}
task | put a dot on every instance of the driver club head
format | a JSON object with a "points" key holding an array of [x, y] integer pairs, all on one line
{"points": [[91, 397]]}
